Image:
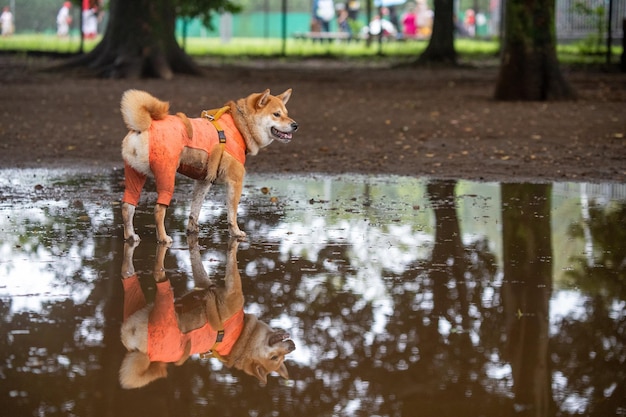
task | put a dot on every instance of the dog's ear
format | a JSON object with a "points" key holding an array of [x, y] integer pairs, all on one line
{"points": [[263, 98], [260, 373], [282, 371], [285, 96]]}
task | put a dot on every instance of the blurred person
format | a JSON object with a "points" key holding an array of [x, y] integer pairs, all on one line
{"points": [[6, 20], [90, 19], [380, 27], [343, 20], [353, 7], [470, 22], [409, 23], [324, 12], [424, 19], [391, 14], [64, 20]]}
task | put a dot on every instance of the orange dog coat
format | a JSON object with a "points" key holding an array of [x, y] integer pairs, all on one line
{"points": [[168, 139], [166, 343]]}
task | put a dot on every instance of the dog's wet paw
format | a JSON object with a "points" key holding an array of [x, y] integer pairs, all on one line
{"points": [[132, 238], [240, 234], [165, 240]]}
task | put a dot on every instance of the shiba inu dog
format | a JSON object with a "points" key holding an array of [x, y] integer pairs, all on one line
{"points": [[209, 320], [209, 149]]}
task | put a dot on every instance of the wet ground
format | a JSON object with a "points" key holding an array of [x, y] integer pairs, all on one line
{"points": [[404, 296]]}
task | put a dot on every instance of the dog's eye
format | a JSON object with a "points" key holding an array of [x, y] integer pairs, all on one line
{"points": [[277, 114], [274, 358]]}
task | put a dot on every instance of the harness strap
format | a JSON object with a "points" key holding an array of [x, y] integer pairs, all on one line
{"points": [[212, 116], [212, 352]]}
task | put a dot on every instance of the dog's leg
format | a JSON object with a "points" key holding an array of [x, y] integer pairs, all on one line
{"points": [[128, 212], [234, 187], [134, 299], [233, 277], [199, 193], [133, 183], [159, 263], [200, 277], [128, 268], [159, 218]]}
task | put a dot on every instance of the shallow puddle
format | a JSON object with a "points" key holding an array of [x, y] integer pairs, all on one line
{"points": [[403, 296]]}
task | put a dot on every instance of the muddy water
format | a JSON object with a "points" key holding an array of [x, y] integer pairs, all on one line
{"points": [[404, 297]]}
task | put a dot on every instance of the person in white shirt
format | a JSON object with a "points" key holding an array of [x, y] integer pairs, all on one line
{"points": [[64, 20], [6, 21]]}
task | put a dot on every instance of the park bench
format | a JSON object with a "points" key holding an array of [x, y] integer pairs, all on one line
{"points": [[318, 36]]}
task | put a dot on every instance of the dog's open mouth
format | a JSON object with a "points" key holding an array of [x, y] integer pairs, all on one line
{"points": [[282, 136], [281, 336]]}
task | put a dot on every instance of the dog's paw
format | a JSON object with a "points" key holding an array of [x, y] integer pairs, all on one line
{"points": [[240, 234], [165, 240], [132, 238]]}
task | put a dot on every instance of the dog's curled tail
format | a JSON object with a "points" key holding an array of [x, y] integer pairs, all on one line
{"points": [[139, 109], [137, 370]]}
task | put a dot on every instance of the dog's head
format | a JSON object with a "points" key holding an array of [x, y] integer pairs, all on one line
{"points": [[265, 118], [265, 350]]}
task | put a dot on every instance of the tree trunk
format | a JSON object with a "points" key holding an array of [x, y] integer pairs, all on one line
{"points": [[440, 48], [139, 42], [529, 69]]}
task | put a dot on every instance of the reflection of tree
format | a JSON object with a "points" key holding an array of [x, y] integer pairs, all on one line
{"points": [[609, 257], [594, 365], [445, 374], [527, 258]]}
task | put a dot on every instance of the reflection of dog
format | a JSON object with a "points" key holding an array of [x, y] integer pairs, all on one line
{"points": [[208, 149], [208, 320]]}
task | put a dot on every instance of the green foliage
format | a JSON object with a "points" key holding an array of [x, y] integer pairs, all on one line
{"points": [[592, 44], [204, 9]]}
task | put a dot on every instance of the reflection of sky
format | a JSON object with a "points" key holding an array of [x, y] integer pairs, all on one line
{"points": [[39, 251], [30, 264]]}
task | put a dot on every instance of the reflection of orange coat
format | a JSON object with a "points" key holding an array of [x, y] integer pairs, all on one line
{"points": [[168, 138], [166, 343]]}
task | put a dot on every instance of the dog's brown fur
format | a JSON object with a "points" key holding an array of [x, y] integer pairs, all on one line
{"points": [[260, 118], [259, 350]]}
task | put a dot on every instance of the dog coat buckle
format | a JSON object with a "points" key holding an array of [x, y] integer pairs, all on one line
{"points": [[220, 336], [212, 116]]}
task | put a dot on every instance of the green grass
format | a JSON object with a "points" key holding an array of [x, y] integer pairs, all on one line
{"points": [[468, 49]]}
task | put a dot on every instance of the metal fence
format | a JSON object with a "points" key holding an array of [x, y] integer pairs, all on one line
{"points": [[573, 22]]}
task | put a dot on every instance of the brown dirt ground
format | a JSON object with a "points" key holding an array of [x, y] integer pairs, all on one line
{"points": [[367, 119]]}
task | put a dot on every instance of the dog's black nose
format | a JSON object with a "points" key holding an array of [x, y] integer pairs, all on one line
{"points": [[294, 126]]}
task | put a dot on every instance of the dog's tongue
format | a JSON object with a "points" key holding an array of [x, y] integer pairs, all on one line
{"points": [[282, 135], [278, 336]]}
